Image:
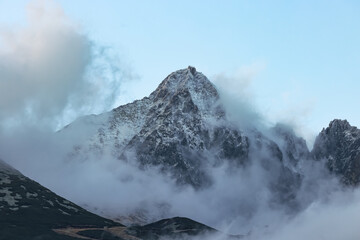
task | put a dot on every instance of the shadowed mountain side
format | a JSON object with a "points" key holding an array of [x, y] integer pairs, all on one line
{"points": [[30, 211]]}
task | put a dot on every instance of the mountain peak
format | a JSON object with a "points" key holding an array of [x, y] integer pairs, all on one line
{"points": [[340, 128], [192, 69], [184, 78], [338, 131], [189, 84], [339, 124]]}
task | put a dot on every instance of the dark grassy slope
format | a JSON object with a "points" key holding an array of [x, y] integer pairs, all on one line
{"points": [[30, 211]]}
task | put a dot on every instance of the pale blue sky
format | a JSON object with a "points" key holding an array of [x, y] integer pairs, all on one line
{"points": [[306, 53]]}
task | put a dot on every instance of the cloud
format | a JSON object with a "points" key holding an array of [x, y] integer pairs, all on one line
{"points": [[239, 82], [334, 219], [51, 71], [237, 96]]}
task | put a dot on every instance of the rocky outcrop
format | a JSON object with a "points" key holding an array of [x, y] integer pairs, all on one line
{"points": [[339, 145]]}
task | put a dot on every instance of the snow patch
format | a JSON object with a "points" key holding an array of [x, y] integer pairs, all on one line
{"points": [[8, 198], [4, 179], [63, 212], [67, 206], [31, 195]]}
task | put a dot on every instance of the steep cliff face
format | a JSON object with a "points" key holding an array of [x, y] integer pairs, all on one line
{"points": [[339, 145]]}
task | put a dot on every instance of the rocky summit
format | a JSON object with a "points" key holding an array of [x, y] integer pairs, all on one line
{"points": [[339, 145]]}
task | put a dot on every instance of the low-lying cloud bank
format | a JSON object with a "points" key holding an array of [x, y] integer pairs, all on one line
{"points": [[335, 218]]}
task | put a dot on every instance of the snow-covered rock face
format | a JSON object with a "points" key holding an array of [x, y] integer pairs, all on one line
{"points": [[190, 90], [184, 123], [173, 128], [180, 128], [339, 144]]}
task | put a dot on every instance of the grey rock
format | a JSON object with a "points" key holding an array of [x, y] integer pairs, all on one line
{"points": [[339, 144]]}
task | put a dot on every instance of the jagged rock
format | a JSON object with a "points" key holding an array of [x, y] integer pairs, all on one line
{"points": [[339, 144]]}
